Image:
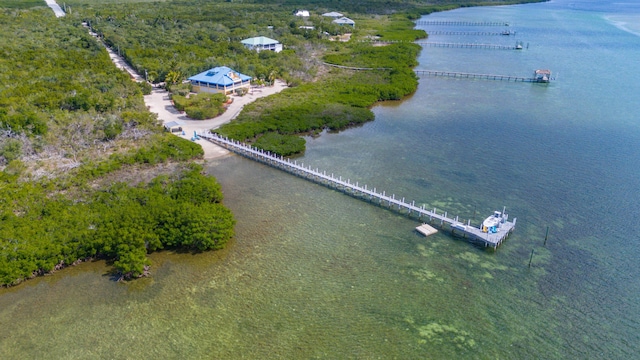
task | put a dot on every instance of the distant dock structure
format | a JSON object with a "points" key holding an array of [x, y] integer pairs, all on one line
{"points": [[494, 230], [473, 33], [539, 76], [542, 75], [461, 23], [517, 46]]}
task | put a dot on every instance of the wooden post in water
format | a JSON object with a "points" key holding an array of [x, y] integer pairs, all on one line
{"points": [[545, 237], [530, 258]]}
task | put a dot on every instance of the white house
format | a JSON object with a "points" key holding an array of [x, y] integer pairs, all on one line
{"points": [[344, 21], [262, 43], [333, 14], [303, 13]]}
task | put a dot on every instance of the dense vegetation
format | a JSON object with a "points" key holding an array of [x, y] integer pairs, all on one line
{"points": [[23, 4], [71, 123], [173, 40], [342, 100], [73, 127], [42, 231], [200, 106], [202, 34]]}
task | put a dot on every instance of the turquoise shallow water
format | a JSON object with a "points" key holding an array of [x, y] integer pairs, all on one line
{"points": [[315, 274]]}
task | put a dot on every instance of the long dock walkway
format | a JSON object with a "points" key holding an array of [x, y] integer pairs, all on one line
{"points": [[463, 75], [469, 45], [454, 225], [462, 23], [517, 46], [473, 33]]}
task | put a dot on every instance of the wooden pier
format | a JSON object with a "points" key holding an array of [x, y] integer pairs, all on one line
{"points": [[473, 33], [455, 225], [462, 23], [470, 45], [462, 75]]}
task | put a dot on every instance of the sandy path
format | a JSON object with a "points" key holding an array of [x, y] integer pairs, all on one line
{"points": [[158, 102], [57, 10]]}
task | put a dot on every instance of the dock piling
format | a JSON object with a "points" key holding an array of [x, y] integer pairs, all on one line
{"points": [[545, 237]]}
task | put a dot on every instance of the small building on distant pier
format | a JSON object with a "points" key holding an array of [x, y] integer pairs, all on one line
{"points": [[220, 79], [542, 75], [261, 43]]}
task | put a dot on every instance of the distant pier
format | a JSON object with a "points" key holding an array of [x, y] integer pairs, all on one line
{"points": [[463, 75], [470, 45], [456, 226], [517, 46], [478, 33], [462, 23]]}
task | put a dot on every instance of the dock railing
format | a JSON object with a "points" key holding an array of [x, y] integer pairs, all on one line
{"points": [[362, 192]]}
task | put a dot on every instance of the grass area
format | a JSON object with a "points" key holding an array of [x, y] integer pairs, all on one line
{"points": [[21, 4], [390, 28]]}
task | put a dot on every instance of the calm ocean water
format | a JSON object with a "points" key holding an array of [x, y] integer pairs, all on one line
{"points": [[315, 274]]}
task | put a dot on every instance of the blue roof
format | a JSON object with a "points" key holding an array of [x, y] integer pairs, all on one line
{"points": [[220, 75]]}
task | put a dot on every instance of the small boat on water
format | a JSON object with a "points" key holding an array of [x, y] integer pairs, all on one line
{"points": [[492, 223]]}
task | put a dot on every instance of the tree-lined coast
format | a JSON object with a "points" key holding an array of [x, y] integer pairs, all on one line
{"points": [[87, 172]]}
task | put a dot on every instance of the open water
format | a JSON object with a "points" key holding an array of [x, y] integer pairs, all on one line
{"points": [[315, 274]]}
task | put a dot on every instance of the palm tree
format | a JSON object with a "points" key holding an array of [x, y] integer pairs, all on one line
{"points": [[273, 75], [173, 77]]}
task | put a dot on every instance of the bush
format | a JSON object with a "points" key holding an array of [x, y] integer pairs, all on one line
{"points": [[11, 149], [202, 113], [145, 87], [201, 106], [119, 223], [283, 145], [179, 102]]}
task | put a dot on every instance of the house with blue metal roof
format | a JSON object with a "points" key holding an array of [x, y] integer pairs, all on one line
{"points": [[262, 43], [220, 79]]}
